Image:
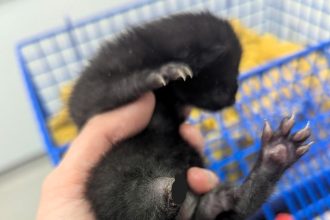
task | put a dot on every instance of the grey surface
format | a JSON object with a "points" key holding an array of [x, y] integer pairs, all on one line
{"points": [[20, 190], [19, 134]]}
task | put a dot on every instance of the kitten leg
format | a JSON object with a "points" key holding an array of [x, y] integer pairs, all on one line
{"points": [[279, 151], [93, 95], [130, 88]]}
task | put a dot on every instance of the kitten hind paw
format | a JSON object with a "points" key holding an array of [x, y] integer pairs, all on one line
{"points": [[280, 149]]}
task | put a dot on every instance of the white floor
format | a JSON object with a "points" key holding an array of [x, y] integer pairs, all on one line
{"points": [[20, 188]]}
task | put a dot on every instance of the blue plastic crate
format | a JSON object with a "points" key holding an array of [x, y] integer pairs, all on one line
{"points": [[298, 83]]}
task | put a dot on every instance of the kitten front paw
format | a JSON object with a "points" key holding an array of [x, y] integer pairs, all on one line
{"points": [[280, 149], [169, 72]]}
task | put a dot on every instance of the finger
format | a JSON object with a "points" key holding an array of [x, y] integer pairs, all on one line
{"points": [[201, 180], [193, 136], [102, 131]]}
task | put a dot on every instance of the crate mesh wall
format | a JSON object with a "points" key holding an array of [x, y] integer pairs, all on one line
{"points": [[56, 57]]}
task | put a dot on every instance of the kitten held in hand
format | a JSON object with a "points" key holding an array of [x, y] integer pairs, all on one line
{"points": [[186, 60]]}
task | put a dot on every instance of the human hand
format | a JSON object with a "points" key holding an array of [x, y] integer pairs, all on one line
{"points": [[62, 195]]}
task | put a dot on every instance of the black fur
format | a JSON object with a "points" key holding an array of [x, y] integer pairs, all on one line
{"points": [[135, 180]]}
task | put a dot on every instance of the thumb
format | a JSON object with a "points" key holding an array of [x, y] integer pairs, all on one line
{"points": [[102, 131], [201, 180]]}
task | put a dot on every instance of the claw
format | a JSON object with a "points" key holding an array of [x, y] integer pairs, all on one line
{"points": [[292, 118], [182, 74], [161, 80], [304, 148], [267, 132], [156, 81], [308, 124], [287, 125], [303, 134], [187, 71]]}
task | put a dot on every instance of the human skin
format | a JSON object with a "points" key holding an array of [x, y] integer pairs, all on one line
{"points": [[62, 195]]}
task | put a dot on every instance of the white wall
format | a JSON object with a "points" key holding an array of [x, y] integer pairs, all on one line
{"points": [[19, 135]]}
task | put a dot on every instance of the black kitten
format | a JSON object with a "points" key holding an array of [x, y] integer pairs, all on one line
{"points": [[187, 59]]}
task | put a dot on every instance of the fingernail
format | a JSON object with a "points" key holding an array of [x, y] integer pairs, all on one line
{"points": [[212, 178]]}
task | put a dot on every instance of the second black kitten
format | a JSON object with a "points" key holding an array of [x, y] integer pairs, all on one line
{"points": [[187, 59]]}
